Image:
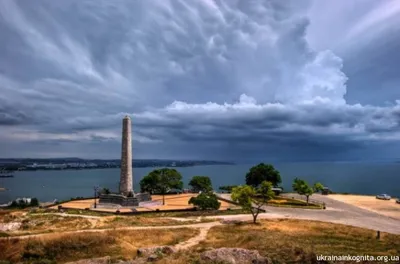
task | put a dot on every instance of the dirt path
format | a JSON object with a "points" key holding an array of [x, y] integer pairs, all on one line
{"points": [[43, 235], [196, 239]]}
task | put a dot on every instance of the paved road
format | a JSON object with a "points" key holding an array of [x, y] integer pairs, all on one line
{"points": [[336, 212]]}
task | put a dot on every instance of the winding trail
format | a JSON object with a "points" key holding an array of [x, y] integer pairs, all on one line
{"points": [[196, 239], [205, 226]]}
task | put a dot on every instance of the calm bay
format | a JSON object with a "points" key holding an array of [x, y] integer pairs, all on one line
{"points": [[358, 178]]}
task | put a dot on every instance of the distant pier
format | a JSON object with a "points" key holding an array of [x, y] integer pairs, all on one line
{"points": [[6, 176]]}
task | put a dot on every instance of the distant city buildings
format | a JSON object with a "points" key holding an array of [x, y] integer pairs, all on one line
{"points": [[71, 165], [80, 164]]}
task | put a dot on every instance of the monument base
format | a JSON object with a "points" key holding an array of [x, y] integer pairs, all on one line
{"points": [[122, 200]]}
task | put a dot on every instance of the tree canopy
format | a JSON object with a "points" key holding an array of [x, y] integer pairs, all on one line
{"points": [[318, 187], [303, 188], [34, 202], [205, 201], [263, 172], [161, 181], [201, 183], [252, 199], [149, 183], [105, 191]]}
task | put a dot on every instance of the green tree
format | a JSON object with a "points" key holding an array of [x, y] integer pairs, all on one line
{"points": [[149, 183], [205, 201], [201, 183], [105, 191], [263, 172], [252, 199], [302, 188], [161, 181], [34, 202], [318, 187], [22, 203]]}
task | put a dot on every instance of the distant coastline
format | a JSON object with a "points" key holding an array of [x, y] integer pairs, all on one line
{"points": [[84, 164]]}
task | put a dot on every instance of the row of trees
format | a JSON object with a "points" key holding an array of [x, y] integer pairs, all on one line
{"points": [[21, 203], [161, 181], [258, 189], [303, 188], [252, 196]]}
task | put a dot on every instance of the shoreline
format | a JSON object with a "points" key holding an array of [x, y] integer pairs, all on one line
{"points": [[116, 167]]}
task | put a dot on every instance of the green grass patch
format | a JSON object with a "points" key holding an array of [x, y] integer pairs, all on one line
{"points": [[206, 213], [4, 234], [293, 203]]}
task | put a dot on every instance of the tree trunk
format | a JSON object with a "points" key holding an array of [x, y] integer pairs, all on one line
{"points": [[255, 214], [307, 198], [163, 198]]}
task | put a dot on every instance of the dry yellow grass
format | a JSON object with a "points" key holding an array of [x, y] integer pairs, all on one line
{"points": [[124, 221], [388, 208], [44, 223], [294, 241], [36, 223], [54, 223], [10, 215], [77, 204], [63, 248]]}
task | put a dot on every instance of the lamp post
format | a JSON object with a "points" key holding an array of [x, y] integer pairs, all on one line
{"points": [[96, 189]]}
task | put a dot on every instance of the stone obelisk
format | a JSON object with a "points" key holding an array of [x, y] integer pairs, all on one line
{"points": [[125, 184]]}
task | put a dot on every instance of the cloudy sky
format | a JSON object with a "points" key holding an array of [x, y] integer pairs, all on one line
{"points": [[201, 79]]}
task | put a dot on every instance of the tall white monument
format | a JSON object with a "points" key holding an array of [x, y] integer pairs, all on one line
{"points": [[126, 197], [125, 184]]}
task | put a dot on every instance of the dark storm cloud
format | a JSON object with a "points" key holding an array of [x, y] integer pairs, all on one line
{"points": [[9, 117], [227, 77]]}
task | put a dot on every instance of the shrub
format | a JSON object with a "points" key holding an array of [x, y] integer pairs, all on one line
{"points": [[205, 201], [3, 234], [34, 202]]}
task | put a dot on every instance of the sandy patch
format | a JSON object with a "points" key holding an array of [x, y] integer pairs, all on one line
{"points": [[172, 202], [388, 208], [9, 226]]}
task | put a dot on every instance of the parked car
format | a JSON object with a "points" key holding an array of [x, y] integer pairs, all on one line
{"points": [[383, 197], [398, 201]]}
